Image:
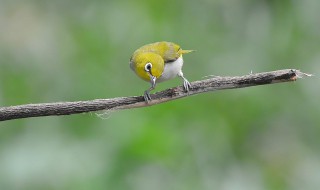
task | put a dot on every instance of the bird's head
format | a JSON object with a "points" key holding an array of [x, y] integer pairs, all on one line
{"points": [[147, 65]]}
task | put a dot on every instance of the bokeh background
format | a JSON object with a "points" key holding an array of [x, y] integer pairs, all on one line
{"points": [[264, 137]]}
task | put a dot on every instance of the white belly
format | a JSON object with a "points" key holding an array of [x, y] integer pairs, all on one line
{"points": [[171, 70]]}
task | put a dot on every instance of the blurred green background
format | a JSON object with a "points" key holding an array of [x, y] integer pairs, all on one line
{"points": [[255, 138]]}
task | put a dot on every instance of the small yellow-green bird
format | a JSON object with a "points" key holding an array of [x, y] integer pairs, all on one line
{"points": [[158, 62]]}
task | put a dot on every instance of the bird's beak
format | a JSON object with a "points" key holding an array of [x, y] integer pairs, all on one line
{"points": [[153, 80]]}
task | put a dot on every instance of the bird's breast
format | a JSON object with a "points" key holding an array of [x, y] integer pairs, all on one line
{"points": [[171, 70]]}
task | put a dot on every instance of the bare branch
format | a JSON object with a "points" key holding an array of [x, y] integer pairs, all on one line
{"points": [[211, 84]]}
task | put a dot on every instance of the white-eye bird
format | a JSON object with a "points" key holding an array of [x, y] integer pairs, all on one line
{"points": [[158, 62]]}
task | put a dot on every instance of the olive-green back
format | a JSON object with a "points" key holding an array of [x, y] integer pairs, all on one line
{"points": [[167, 50]]}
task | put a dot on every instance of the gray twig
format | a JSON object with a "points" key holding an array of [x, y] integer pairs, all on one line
{"points": [[211, 84]]}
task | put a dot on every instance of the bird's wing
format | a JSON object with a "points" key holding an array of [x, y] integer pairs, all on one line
{"points": [[167, 50]]}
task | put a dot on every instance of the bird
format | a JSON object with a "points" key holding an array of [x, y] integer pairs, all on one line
{"points": [[158, 62]]}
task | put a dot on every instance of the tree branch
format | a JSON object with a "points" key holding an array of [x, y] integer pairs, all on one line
{"points": [[197, 87]]}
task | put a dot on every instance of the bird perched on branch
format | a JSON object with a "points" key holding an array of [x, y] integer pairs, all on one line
{"points": [[158, 62]]}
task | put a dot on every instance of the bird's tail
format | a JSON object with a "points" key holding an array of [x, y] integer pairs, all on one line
{"points": [[186, 51]]}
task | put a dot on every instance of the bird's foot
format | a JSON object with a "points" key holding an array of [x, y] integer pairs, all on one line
{"points": [[147, 97], [186, 85]]}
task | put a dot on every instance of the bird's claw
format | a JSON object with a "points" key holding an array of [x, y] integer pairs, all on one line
{"points": [[146, 96], [186, 85]]}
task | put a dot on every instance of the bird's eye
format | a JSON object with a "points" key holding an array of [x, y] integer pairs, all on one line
{"points": [[148, 67]]}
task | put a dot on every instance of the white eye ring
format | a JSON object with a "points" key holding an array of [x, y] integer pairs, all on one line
{"points": [[148, 67]]}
